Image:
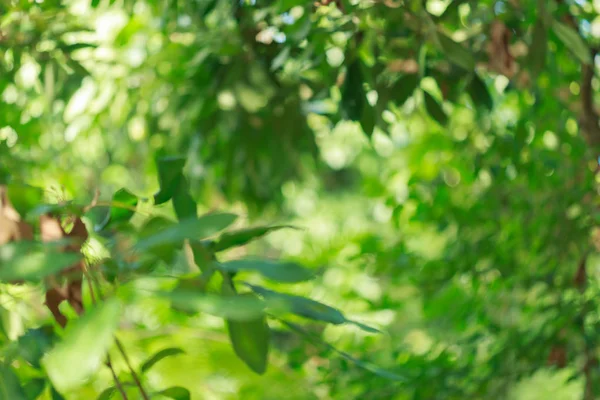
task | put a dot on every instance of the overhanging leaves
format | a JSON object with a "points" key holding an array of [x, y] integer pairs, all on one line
{"points": [[236, 307], [191, 228]]}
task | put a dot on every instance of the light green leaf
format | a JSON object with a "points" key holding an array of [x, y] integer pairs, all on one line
{"points": [[32, 261], [192, 228], [573, 41], [83, 348], [287, 272], [243, 236], [250, 340], [164, 353]]}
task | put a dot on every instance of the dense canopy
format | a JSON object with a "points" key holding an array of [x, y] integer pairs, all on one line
{"points": [[339, 199]]}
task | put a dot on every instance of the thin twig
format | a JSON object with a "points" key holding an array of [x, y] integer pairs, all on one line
{"points": [[118, 384], [108, 362], [120, 346], [134, 375]]}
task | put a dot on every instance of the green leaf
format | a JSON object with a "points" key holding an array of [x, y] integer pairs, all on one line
{"points": [[33, 345], [83, 348], [32, 261], [164, 353], [176, 392], [123, 201], [479, 92], [10, 387], [434, 109], [169, 172], [404, 88], [121, 210], [107, 393], [24, 197], [353, 93], [240, 307], [250, 341], [538, 48], [286, 272], [192, 228], [183, 203], [34, 388], [367, 120], [95, 3], [301, 306], [241, 237], [573, 41], [455, 52]]}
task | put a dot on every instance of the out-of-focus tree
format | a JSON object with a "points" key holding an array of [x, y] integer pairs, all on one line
{"points": [[441, 156]]}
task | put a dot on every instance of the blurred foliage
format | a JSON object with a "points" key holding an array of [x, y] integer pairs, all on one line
{"points": [[428, 168]]}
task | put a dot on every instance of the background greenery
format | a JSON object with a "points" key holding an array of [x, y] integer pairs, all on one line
{"points": [[438, 158]]}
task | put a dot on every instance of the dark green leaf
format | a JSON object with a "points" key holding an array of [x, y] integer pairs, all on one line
{"points": [[192, 228], [479, 93], [573, 41], [34, 388], [238, 307], [241, 237], [33, 344], [538, 48], [353, 93], [176, 392], [434, 109], [107, 393], [164, 353], [367, 120], [404, 88], [32, 261], [250, 340], [456, 53], [55, 395], [301, 306], [95, 3], [10, 387], [287, 272], [169, 172], [84, 346], [183, 203]]}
